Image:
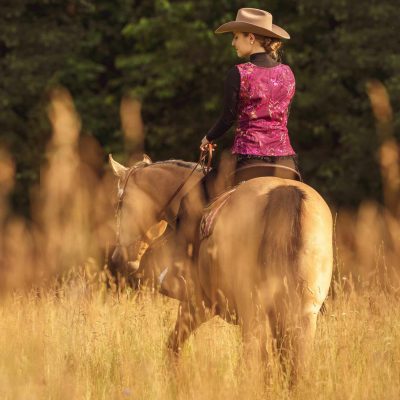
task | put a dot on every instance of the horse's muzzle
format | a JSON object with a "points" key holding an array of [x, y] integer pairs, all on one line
{"points": [[120, 260]]}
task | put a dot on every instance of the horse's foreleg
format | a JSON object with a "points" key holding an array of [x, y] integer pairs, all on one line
{"points": [[188, 320]]}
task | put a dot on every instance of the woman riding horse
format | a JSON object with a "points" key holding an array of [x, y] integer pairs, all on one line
{"points": [[267, 263], [258, 94]]}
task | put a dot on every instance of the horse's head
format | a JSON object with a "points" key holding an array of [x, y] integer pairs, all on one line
{"points": [[137, 213]]}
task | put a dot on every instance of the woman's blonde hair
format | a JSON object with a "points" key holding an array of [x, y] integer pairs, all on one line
{"points": [[272, 46]]}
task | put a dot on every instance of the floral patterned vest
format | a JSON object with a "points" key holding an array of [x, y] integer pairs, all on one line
{"points": [[264, 99]]}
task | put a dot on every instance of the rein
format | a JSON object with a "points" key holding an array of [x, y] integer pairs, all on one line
{"points": [[205, 164]]}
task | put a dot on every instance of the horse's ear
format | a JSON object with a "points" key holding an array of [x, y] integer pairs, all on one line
{"points": [[118, 169], [147, 159]]}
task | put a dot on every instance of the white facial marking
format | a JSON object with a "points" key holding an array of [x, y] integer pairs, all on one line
{"points": [[161, 277]]}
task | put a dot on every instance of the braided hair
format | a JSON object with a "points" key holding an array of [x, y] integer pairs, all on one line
{"points": [[272, 46]]}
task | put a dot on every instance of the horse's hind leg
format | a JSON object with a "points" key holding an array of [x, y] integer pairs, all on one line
{"points": [[278, 327], [254, 333], [284, 329], [304, 340], [294, 336], [188, 320], [255, 342]]}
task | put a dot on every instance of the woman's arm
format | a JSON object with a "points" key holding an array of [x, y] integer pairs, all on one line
{"points": [[230, 103]]}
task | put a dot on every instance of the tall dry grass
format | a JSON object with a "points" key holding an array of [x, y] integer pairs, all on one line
{"points": [[65, 335], [368, 240], [69, 345]]}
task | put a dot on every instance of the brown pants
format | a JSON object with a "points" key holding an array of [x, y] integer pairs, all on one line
{"points": [[253, 168]]}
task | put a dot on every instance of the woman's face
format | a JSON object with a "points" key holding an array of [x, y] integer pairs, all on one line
{"points": [[242, 43]]}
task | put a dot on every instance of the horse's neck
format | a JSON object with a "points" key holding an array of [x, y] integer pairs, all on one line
{"points": [[164, 179]]}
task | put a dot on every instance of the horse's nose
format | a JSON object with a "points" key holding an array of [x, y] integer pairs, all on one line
{"points": [[117, 256], [121, 257]]}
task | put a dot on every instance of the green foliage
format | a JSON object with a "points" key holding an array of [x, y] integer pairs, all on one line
{"points": [[165, 53], [340, 47]]}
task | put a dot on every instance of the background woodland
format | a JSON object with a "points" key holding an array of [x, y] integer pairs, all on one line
{"points": [[165, 55]]}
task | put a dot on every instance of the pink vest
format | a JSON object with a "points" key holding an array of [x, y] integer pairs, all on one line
{"points": [[265, 96]]}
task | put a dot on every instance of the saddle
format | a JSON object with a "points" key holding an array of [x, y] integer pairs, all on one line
{"points": [[241, 175]]}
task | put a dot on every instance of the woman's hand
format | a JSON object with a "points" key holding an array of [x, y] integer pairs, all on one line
{"points": [[204, 143]]}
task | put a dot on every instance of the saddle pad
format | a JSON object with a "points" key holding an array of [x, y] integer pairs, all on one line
{"points": [[211, 212]]}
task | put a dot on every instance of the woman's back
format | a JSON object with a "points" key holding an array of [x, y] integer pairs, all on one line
{"points": [[264, 100]]}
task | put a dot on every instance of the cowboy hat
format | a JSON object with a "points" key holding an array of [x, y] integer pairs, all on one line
{"points": [[256, 21]]}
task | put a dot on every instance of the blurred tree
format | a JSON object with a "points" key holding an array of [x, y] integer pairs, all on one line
{"points": [[337, 47], [36, 39], [165, 54]]}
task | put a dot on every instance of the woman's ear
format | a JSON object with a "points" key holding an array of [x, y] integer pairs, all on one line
{"points": [[252, 38]]}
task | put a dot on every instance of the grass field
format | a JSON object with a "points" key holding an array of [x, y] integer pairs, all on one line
{"points": [[85, 344]]}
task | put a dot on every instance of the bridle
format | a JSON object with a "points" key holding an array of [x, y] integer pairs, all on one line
{"points": [[204, 162], [119, 206]]}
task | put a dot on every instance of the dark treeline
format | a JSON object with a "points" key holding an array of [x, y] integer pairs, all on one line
{"points": [[165, 54]]}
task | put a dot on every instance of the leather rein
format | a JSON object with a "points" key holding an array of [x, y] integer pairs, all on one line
{"points": [[204, 162]]}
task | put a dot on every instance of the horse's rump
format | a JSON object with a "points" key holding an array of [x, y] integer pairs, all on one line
{"points": [[257, 232]]}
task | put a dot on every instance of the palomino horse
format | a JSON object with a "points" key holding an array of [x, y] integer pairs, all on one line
{"points": [[268, 261]]}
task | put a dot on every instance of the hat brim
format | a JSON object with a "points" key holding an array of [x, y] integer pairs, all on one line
{"points": [[237, 26]]}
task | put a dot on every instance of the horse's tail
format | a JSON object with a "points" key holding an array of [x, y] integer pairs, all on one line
{"points": [[282, 236]]}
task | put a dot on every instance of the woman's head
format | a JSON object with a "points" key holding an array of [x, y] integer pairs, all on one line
{"points": [[247, 43]]}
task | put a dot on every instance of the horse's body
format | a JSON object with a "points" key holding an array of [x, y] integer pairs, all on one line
{"points": [[269, 258]]}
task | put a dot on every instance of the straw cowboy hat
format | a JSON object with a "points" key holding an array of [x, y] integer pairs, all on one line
{"points": [[256, 21]]}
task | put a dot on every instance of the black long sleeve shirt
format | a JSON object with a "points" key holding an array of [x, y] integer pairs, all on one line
{"points": [[231, 96]]}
